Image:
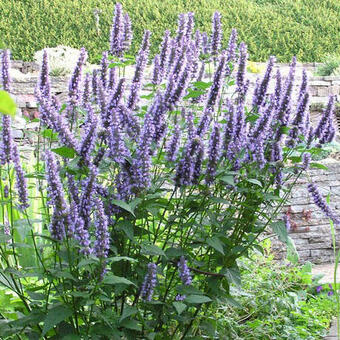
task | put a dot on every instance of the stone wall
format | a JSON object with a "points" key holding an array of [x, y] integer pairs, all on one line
{"points": [[310, 229]]}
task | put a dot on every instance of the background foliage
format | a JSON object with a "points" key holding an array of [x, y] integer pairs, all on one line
{"points": [[308, 29]]}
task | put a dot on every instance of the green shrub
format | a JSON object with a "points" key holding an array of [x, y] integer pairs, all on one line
{"points": [[307, 29], [330, 66]]}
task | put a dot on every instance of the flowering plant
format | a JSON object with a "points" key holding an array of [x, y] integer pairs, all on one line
{"points": [[138, 204]]}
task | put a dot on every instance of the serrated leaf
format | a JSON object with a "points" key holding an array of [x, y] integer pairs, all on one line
{"points": [[131, 324], [202, 84], [279, 229], [215, 243], [124, 206], [115, 280], [54, 317], [7, 104], [197, 299], [179, 306], [65, 152]]}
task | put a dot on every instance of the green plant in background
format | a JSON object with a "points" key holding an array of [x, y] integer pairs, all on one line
{"points": [[307, 29], [330, 66], [275, 301]]}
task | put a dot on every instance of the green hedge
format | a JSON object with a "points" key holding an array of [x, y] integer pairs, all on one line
{"points": [[308, 29]]}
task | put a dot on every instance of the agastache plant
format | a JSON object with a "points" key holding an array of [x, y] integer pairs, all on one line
{"points": [[127, 181]]}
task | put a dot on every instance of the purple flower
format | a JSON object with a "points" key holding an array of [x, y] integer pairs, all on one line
{"points": [[217, 84], [286, 220], [118, 150], [261, 90], [213, 154], [87, 90], [306, 159], [278, 88], [242, 84], [198, 160], [44, 79], [6, 147], [184, 272], [112, 78], [5, 65], [149, 283], [198, 40], [74, 92], [319, 289], [173, 144], [102, 242], [79, 231], [304, 84], [322, 204], [205, 44], [216, 35], [21, 183], [142, 163], [180, 297], [87, 143], [117, 32], [164, 53], [104, 64], [231, 50], [127, 33], [156, 77], [181, 28], [95, 79], [189, 26], [6, 191], [325, 120]]}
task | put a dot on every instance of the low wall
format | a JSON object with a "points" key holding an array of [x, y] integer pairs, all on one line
{"points": [[310, 229]]}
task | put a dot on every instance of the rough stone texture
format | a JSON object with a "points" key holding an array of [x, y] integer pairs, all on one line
{"points": [[310, 230]]}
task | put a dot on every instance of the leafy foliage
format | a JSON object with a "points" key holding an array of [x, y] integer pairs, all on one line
{"points": [[283, 28]]}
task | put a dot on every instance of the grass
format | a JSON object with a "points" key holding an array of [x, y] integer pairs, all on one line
{"points": [[305, 28]]}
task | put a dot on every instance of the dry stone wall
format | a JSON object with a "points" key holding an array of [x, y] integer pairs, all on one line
{"points": [[310, 230]]}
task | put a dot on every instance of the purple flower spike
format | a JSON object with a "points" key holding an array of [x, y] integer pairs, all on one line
{"points": [[278, 88], [184, 272], [322, 204], [306, 159], [189, 26], [127, 34], [117, 31], [164, 53], [231, 50], [205, 44], [44, 78], [104, 69], [74, 92], [102, 242], [157, 72], [261, 90], [87, 90], [217, 84], [21, 183], [242, 84], [325, 120], [216, 35], [7, 144], [214, 154], [198, 40], [149, 283], [5, 65], [181, 28], [173, 145], [112, 78], [286, 220]]}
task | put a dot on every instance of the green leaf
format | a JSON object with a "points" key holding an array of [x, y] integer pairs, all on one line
{"points": [[7, 104], [193, 94], [128, 311], [232, 274], [202, 85], [216, 244], [292, 254], [197, 299], [122, 258], [54, 316], [318, 166], [124, 206], [254, 181], [179, 306], [279, 228], [131, 324], [71, 337], [65, 152], [151, 249], [115, 280], [228, 179]]}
